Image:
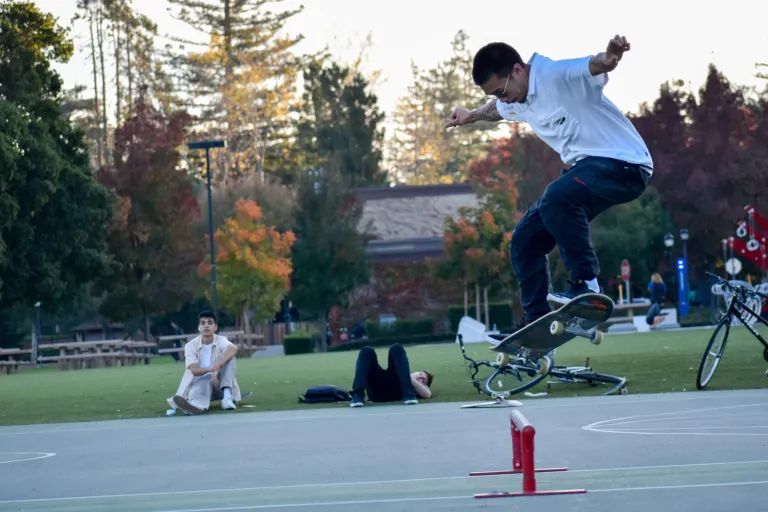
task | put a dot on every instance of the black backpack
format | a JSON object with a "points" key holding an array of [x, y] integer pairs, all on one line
{"points": [[325, 395]]}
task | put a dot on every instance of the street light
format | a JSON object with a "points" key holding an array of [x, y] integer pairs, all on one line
{"points": [[669, 242], [38, 335], [207, 145], [684, 238]]}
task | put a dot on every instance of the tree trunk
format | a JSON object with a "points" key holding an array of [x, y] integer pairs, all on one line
{"points": [[147, 334], [100, 41], [129, 64], [246, 318], [323, 317], [487, 317], [118, 53], [477, 302], [97, 115], [466, 299]]}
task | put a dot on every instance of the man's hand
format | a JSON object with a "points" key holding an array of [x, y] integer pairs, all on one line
{"points": [[615, 51], [459, 117], [216, 367], [215, 378]]}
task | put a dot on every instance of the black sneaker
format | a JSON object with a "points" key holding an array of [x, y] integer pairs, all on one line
{"points": [[410, 400], [357, 401]]}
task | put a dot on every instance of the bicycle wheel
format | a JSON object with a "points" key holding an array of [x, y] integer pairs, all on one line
{"points": [[516, 373], [714, 352]]}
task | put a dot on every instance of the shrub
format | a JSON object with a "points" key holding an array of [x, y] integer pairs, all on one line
{"points": [[300, 342]]}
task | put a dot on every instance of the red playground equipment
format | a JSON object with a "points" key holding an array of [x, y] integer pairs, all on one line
{"points": [[754, 249]]}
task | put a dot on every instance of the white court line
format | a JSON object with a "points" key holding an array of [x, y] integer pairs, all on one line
{"points": [[404, 500], [692, 428], [341, 484], [596, 427], [40, 455], [688, 418], [230, 421]]}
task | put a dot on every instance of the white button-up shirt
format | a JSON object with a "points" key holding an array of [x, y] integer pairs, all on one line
{"points": [[567, 109]]}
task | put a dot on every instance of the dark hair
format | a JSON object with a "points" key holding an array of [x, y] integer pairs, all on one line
{"points": [[494, 59], [207, 314], [430, 378]]}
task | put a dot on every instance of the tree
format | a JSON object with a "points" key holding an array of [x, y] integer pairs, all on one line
{"points": [[477, 251], [53, 213], [242, 79], [252, 264], [328, 257], [339, 123], [150, 237], [709, 154], [422, 150]]}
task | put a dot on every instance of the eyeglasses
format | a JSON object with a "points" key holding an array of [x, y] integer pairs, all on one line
{"points": [[497, 96]]}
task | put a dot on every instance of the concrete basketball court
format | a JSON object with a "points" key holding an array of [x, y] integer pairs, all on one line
{"points": [[694, 451]]}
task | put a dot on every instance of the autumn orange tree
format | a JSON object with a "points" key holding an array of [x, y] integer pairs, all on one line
{"points": [[476, 251], [253, 265]]}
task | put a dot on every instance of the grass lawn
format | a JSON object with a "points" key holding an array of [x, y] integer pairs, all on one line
{"points": [[653, 363]]}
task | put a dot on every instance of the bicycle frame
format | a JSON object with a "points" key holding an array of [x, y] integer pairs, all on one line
{"points": [[736, 307]]}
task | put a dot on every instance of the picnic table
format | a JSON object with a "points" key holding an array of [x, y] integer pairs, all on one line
{"points": [[246, 344], [97, 354], [12, 358], [630, 310]]}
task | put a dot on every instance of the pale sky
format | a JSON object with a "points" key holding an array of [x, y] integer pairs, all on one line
{"points": [[671, 39]]}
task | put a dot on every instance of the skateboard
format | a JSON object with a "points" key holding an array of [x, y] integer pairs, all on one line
{"points": [[579, 317]]}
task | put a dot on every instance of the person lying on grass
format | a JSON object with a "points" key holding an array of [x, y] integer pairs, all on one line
{"points": [[390, 385], [210, 370]]}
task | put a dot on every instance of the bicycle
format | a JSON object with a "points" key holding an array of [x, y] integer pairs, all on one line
{"points": [[525, 374], [736, 298]]}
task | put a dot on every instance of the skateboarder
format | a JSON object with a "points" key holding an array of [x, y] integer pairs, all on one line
{"points": [[564, 104]]}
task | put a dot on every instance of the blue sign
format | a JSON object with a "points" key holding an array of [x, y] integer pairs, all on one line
{"points": [[682, 286]]}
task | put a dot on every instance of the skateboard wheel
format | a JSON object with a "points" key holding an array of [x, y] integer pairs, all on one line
{"points": [[598, 338], [543, 366], [624, 391], [502, 359], [557, 328]]}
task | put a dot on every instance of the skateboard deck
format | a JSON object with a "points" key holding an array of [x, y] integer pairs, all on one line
{"points": [[580, 317]]}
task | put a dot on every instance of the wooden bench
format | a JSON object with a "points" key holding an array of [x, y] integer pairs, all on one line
{"points": [[630, 309], [11, 365], [243, 342], [98, 354]]}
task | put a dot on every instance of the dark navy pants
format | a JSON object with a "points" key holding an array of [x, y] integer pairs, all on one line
{"points": [[382, 385], [561, 217]]}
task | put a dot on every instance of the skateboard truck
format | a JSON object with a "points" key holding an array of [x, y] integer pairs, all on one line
{"points": [[556, 328]]}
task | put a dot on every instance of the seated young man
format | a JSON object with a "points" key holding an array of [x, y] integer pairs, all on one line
{"points": [[390, 385], [210, 370]]}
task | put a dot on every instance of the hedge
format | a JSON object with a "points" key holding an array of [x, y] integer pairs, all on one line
{"points": [[404, 327], [500, 314], [301, 342], [386, 341]]}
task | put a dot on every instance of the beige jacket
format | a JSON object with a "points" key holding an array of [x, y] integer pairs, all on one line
{"points": [[193, 353]]}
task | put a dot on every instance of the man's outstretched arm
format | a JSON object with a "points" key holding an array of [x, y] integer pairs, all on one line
{"points": [[461, 116], [487, 112], [608, 60]]}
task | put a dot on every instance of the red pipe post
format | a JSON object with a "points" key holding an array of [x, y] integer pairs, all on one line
{"points": [[529, 471], [517, 459]]}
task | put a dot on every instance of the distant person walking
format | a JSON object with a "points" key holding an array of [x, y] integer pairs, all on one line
{"points": [[658, 291]]}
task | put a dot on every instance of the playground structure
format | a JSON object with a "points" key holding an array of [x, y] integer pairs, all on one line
{"points": [[750, 243]]}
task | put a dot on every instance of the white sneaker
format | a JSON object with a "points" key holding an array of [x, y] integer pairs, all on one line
{"points": [[411, 401], [228, 404], [356, 404]]}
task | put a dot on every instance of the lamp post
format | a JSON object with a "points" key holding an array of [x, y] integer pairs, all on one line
{"points": [[684, 238], [38, 334], [669, 242], [207, 145]]}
